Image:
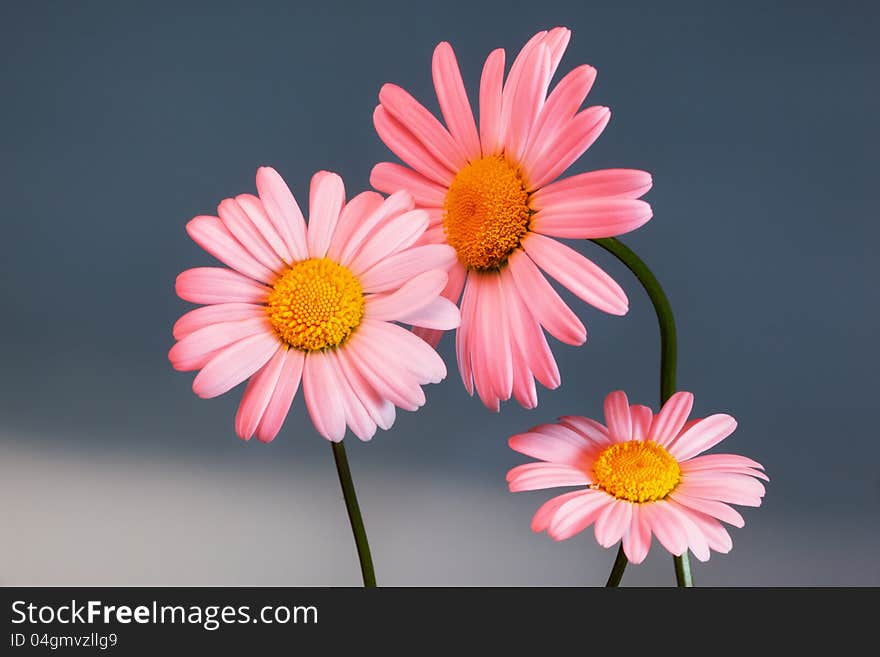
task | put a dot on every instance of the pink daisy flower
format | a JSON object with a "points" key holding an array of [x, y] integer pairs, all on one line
{"points": [[490, 193], [316, 303], [641, 475]]}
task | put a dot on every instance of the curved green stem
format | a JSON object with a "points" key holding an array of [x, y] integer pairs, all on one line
{"points": [[617, 569], [668, 355], [354, 514]]}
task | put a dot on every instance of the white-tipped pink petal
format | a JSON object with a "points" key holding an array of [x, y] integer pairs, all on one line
{"points": [[668, 422], [282, 398], [243, 229], [491, 133], [321, 392], [390, 378], [326, 198], [218, 285], [283, 211], [637, 539], [218, 313], [592, 218], [571, 142], [704, 435], [389, 177], [617, 416], [583, 277], [412, 296], [357, 417], [257, 395], [666, 526], [577, 514], [545, 513], [613, 522], [210, 234], [544, 302], [234, 364], [454, 103], [380, 409], [605, 183], [401, 349]]}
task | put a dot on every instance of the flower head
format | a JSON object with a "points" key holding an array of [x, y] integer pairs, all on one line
{"points": [[314, 303], [639, 475], [490, 194]]}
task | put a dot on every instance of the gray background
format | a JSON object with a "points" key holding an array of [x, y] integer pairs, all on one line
{"points": [[122, 121]]}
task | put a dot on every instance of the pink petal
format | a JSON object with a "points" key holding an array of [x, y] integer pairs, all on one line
{"points": [[671, 418], [577, 514], [218, 285], [527, 98], [605, 183], [637, 539], [713, 532], [423, 125], [529, 339], [243, 229], [457, 274], [641, 421], [353, 214], [617, 416], [724, 463], [321, 391], [613, 522], [234, 364], [453, 100], [481, 344], [592, 218], [393, 206], [572, 141], [193, 350], [543, 301], [397, 234], [395, 270], [462, 338], [391, 379], [557, 41], [257, 394], [408, 148], [285, 390], [704, 435], [696, 539], [283, 211], [389, 177], [439, 315], [326, 198], [491, 133], [591, 430], [508, 93], [403, 349], [381, 410], [545, 513], [496, 325], [576, 273], [534, 476], [412, 296], [210, 234], [215, 314], [255, 211], [666, 526], [566, 448], [742, 492], [713, 508], [561, 106], [356, 415]]}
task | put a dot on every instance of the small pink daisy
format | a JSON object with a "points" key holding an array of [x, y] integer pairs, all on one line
{"points": [[642, 476], [316, 303], [489, 193]]}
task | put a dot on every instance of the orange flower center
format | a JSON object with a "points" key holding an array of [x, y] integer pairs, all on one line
{"points": [[316, 304], [637, 471], [486, 212]]}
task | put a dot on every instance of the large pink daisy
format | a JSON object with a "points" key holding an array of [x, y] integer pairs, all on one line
{"points": [[316, 303], [639, 475], [489, 193]]}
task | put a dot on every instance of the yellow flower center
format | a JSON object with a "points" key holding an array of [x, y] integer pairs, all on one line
{"points": [[315, 304], [637, 471], [486, 212]]}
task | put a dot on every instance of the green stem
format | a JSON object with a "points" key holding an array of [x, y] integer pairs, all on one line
{"points": [[668, 355], [617, 569], [354, 514]]}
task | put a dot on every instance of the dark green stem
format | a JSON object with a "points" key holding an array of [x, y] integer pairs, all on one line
{"points": [[354, 514], [617, 569], [668, 355]]}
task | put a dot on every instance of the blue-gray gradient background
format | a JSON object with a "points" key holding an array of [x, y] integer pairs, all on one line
{"points": [[121, 121]]}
